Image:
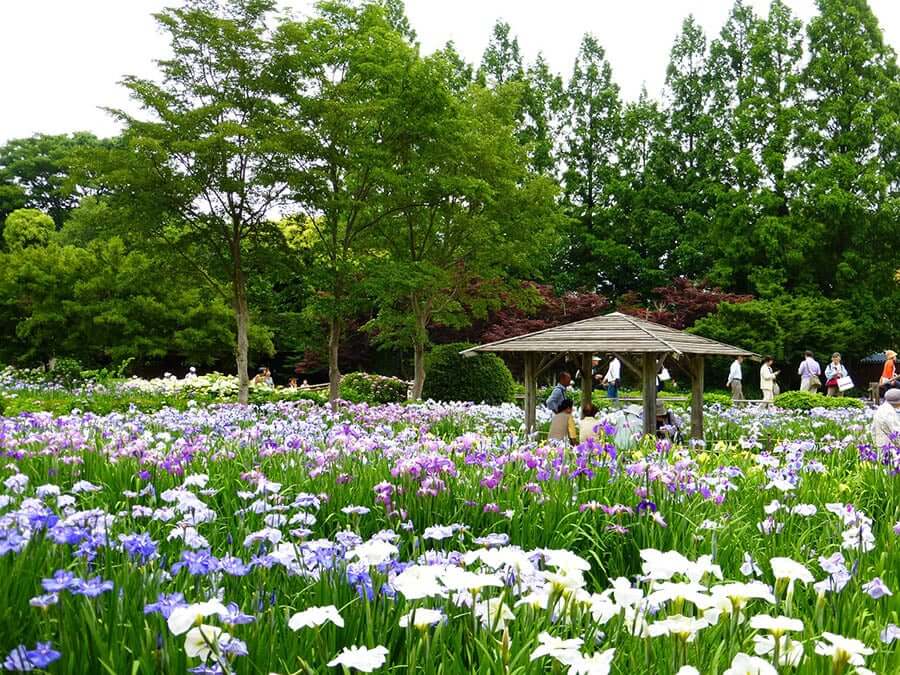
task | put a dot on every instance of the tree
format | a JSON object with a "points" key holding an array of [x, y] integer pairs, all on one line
{"points": [[502, 60], [684, 302], [25, 228], [349, 66], [477, 213], [594, 116], [847, 121], [34, 172], [202, 173], [543, 100]]}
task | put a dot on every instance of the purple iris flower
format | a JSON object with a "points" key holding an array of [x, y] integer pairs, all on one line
{"points": [[235, 616], [139, 546], [233, 566], [197, 562], [44, 601], [18, 660], [876, 588], [43, 654], [93, 587], [203, 669], [165, 604], [61, 581]]}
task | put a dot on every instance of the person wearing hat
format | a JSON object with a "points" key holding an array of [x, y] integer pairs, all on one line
{"points": [[834, 371], [889, 378], [886, 421], [767, 376]]}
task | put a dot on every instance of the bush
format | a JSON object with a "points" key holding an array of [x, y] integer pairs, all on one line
{"points": [[717, 398], [67, 372], [479, 378], [804, 400], [373, 389]]}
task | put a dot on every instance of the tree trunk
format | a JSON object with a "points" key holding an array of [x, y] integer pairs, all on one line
{"points": [[334, 371], [242, 319], [419, 336]]}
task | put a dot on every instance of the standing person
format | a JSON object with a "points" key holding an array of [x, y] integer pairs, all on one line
{"points": [[887, 419], [889, 378], [735, 379], [613, 377], [834, 371], [809, 372], [767, 384], [558, 395], [562, 426]]}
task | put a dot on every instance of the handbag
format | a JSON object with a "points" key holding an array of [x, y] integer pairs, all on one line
{"points": [[814, 381], [845, 383]]}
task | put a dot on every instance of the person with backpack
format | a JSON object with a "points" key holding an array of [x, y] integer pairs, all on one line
{"points": [[558, 395]]}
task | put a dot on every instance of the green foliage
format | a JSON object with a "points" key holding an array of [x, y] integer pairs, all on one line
{"points": [[25, 228], [479, 378], [68, 372], [804, 400], [373, 389], [716, 398], [787, 326]]}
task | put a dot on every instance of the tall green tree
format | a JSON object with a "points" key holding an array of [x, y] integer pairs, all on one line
{"points": [[689, 153], [543, 101], [34, 173], [350, 69], [470, 213], [202, 172], [592, 133], [502, 60]]}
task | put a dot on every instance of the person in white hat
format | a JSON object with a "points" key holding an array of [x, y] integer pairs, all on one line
{"points": [[887, 419]]}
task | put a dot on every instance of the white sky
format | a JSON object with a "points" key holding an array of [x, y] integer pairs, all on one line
{"points": [[62, 59]]}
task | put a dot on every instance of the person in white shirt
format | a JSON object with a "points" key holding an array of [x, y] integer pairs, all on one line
{"points": [[735, 379], [767, 377], [613, 377], [887, 420], [809, 372]]}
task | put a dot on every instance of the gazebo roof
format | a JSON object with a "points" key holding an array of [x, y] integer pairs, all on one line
{"points": [[613, 332]]}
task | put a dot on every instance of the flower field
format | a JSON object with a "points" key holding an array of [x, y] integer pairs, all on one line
{"points": [[290, 537]]}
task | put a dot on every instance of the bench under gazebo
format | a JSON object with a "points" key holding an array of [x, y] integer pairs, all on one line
{"points": [[641, 346]]}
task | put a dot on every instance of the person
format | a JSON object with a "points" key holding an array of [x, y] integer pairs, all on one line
{"points": [[889, 378], [562, 426], [613, 377], [735, 379], [588, 424], [809, 372], [662, 377], [834, 371], [558, 395], [668, 424], [263, 376], [887, 420], [292, 383], [767, 384]]}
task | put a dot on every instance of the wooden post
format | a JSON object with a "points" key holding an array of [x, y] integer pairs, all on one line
{"points": [[649, 393], [530, 393], [587, 379], [697, 367]]}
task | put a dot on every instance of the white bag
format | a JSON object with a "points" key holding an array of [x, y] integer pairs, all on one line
{"points": [[664, 375], [845, 383]]}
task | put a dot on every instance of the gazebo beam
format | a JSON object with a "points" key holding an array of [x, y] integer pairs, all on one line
{"points": [[697, 375], [530, 392], [648, 380]]}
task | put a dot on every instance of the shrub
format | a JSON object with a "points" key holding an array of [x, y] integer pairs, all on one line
{"points": [[68, 372], [804, 400], [479, 378], [717, 398], [374, 389]]}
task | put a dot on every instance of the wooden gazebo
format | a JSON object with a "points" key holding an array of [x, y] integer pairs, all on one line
{"points": [[642, 346]]}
